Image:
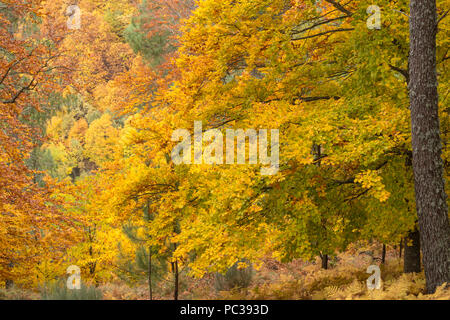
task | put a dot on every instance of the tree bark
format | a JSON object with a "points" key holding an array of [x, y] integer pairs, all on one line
{"points": [[383, 254], [431, 199], [411, 261]]}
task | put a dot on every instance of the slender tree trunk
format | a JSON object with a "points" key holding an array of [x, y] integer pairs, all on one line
{"points": [[324, 258], [150, 284], [176, 275], [412, 253], [8, 282], [431, 199], [317, 153], [383, 254], [175, 294], [150, 287], [400, 249]]}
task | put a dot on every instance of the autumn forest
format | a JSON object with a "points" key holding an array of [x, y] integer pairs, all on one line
{"points": [[120, 177]]}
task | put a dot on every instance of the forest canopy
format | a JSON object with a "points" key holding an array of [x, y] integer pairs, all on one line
{"points": [[95, 97]]}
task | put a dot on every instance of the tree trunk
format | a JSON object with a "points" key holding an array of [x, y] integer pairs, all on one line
{"points": [[9, 284], [400, 250], [76, 172], [383, 254], [431, 199], [150, 287], [175, 274], [317, 153], [412, 253], [175, 294], [150, 284], [324, 258]]}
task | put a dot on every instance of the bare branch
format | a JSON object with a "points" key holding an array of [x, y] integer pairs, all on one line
{"points": [[323, 33], [340, 7]]}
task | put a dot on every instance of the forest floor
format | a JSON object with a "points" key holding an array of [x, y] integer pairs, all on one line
{"points": [[298, 280]]}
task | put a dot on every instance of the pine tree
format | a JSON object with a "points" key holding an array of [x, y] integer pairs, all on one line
{"points": [[431, 199]]}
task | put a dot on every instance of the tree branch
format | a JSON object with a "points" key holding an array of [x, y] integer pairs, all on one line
{"points": [[324, 33], [340, 7], [403, 72]]}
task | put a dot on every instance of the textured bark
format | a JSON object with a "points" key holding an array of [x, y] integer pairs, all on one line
{"points": [[383, 254], [411, 261], [431, 199]]}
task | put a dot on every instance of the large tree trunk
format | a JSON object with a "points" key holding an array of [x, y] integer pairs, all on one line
{"points": [[431, 199], [411, 261]]}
